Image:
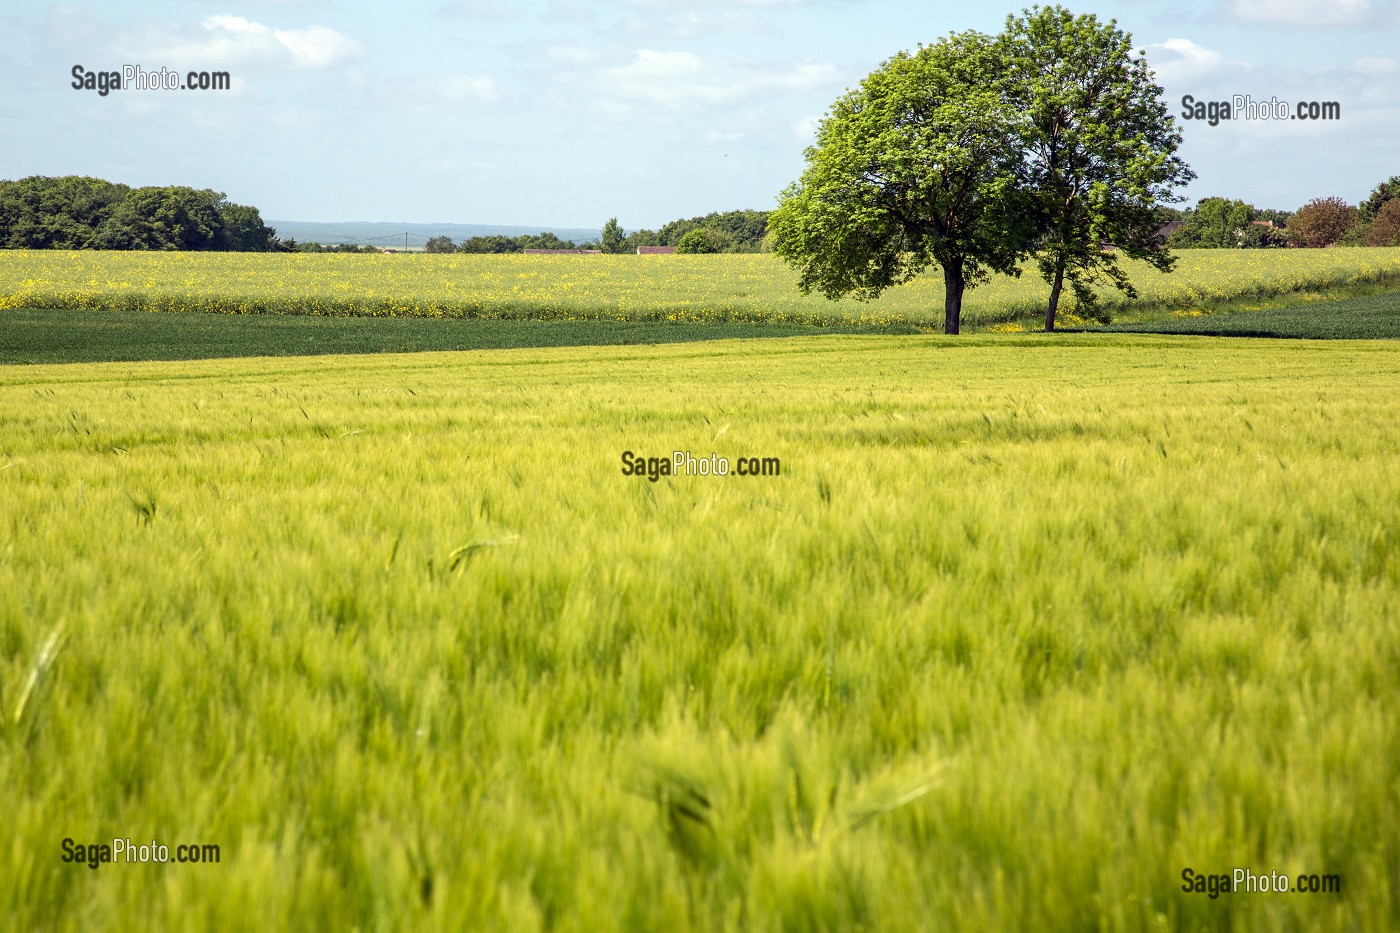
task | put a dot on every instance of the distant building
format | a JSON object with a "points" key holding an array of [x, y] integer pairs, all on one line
{"points": [[655, 250], [1167, 229]]}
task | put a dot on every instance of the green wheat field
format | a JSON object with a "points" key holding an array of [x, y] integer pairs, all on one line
{"points": [[1026, 627]]}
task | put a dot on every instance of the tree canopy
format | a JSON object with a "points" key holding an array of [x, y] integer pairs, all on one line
{"points": [[705, 240], [507, 244], [745, 228], [612, 237], [74, 212], [1214, 223], [976, 152], [1098, 146], [918, 165], [1323, 221], [1385, 229], [1382, 194]]}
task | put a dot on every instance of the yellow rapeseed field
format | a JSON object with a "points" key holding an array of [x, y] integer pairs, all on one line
{"points": [[752, 288]]}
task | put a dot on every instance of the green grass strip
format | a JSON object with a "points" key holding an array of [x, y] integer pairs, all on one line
{"points": [[59, 336]]}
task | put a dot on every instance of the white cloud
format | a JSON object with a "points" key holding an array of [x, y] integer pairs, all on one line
{"points": [[1377, 66], [676, 80], [691, 24], [806, 128], [568, 11], [1361, 85], [1178, 60], [235, 41], [1315, 13], [573, 54], [423, 92], [479, 10], [784, 3], [457, 88]]}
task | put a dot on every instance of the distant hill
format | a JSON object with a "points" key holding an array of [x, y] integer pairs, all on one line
{"points": [[380, 233]]}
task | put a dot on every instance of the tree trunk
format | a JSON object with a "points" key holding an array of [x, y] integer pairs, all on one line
{"points": [[953, 285], [1055, 289]]}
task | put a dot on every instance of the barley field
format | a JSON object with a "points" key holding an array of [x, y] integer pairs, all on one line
{"points": [[1023, 628], [726, 288]]}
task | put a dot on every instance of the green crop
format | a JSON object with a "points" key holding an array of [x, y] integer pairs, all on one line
{"points": [[1025, 627], [755, 288]]}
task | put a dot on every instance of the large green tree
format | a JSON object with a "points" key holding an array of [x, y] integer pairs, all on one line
{"points": [[168, 218], [72, 212], [55, 213], [639, 238], [489, 244], [1099, 149], [1214, 223], [705, 240], [916, 166], [1382, 194], [612, 236], [745, 227], [244, 230]]}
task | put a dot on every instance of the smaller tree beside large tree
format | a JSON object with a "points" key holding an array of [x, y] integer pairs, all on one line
{"points": [[1385, 229], [612, 237], [1323, 221], [1382, 194], [705, 240], [1099, 149], [1214, 223], [244, 230]]}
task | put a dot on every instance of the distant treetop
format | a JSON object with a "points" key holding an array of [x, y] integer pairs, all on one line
{"points": [[75, 212]]}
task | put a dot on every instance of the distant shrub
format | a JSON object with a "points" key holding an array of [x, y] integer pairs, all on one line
{"points": [[1356, 236], [1257, 236], [1385, 229], [1323, 221], [705, 240]]}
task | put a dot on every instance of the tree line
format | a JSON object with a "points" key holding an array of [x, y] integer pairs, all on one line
{"points": [[716, 232], [76, 212], [1224, 223]]}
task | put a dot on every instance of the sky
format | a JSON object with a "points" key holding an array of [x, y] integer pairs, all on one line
{"points": [[567, 112]]}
